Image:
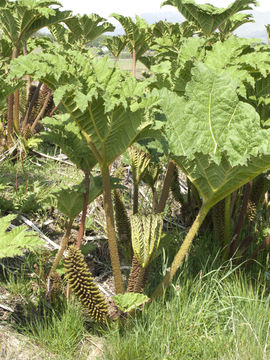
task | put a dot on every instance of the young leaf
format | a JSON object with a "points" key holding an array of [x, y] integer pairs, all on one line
{"points": [[130, 301]]}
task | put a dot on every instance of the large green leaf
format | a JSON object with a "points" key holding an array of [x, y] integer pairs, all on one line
{"points": [[64, 133], [70, 200], [215, 138], [145, 234], [21, 19], [80, 31], [176, 73], [115, 44], [233, 23], [138, 35], [5, 50], [109, 107], [162, 28], [208, 17], [88, 27], [246, 61]]}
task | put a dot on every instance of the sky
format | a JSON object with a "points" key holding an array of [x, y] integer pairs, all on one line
{"points": [[130, 8], [152, 12]]}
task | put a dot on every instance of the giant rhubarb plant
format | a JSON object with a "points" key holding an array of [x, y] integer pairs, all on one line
{"points": [[216, 140], [137, 36], [19, 20], [108, 107]]}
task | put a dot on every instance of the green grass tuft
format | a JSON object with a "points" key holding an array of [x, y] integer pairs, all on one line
{"points": [[221, 315]]}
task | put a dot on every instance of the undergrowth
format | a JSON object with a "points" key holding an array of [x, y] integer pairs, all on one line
{"points": [[219, 312], [218, 315]]}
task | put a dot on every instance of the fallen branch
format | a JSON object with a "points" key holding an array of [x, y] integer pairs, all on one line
{"points": [[43, 236], [7, 153], [7, 308], [52, 158]]}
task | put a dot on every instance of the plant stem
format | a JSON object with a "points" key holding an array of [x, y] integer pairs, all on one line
{"points": [[179, 257], [108, 207], [241, 217], [25, 176], [218, 219], [16, 110], [134, 61], [135, 198], [84, 211], [227, 221], [166, 187], [54, 109], [27, 77], [31, 105], [10, 119], [155, 198], [16, 102], [63, 245], [42, 111], [233, 200]]}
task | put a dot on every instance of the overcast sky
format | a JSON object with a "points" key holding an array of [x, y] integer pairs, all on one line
{"points": [[152, 7], [125, 7]]}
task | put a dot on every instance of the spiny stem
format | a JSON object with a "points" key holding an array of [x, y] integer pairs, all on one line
{"points": [[42, 111], [166, 187], [179, 257], [241, 218], [135, 198], [10, 119], [31, 105], [63, 245], [227, 229], [16, 101], [108, 207], [134, 61], [84, 211]]}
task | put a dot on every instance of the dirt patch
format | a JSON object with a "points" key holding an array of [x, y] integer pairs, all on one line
{"points": [[15, 346]]}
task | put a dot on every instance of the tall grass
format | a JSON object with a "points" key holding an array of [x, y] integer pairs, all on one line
{"points": [[61, 334], [220, 315], [211, 312]]}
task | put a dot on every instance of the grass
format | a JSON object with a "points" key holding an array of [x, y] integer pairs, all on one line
{"points": [[219, 316], [210, 312], [60, 333], [126, 64]]}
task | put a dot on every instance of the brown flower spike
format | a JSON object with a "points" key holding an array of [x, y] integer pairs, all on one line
{"points": [[83, 286]]}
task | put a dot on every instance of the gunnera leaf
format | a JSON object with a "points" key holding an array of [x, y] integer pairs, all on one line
{"points": [[215, 138], [12, 243], [130, 301]]}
